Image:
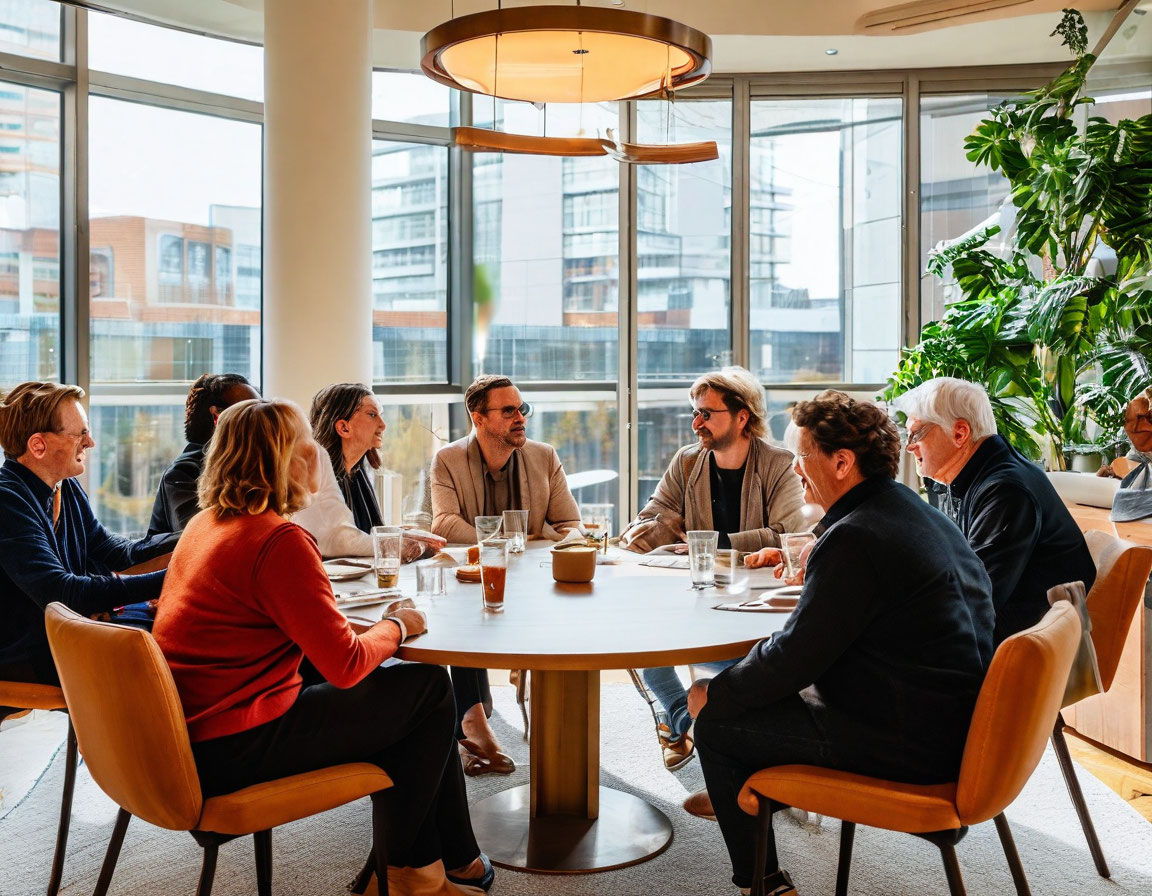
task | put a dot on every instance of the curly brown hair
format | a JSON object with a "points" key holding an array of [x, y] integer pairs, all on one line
{"points": [[209, 391], [835, 420]]}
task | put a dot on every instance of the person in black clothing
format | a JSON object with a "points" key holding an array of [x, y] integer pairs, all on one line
{"points": [[176, 501], [52, 547], [347, 423], [878, 669], [1003, 503]]}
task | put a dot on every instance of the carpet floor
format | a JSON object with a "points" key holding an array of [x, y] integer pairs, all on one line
{"points": [[318, 856]]}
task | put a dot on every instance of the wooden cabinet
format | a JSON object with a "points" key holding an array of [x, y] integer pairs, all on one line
{"points": [[1121, 718]]}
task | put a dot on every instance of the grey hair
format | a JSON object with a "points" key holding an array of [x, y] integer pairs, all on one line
{"points": [[740, 391], [946, 399]]}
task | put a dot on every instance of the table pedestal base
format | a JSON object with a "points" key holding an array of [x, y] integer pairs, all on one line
{"points": [[628, 831]]}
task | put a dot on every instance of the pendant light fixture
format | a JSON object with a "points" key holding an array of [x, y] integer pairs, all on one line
{"points": [[565, 54]]}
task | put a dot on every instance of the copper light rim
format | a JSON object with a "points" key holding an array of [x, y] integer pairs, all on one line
{"points": [[696, 44]]}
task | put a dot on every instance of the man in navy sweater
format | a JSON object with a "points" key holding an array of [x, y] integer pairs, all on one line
{"points": [[52, 547], [1003, 503]]}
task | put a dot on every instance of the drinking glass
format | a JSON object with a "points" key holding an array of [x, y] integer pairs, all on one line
{"points": [[597, 519], [792, 546], [430, 580], [493, 571], [387, 547], [516, 530], [731, 574], [702, 558], [486, 527]]}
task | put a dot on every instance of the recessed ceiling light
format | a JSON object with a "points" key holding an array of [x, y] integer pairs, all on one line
{"points": [[617, 2], [831, 51]]}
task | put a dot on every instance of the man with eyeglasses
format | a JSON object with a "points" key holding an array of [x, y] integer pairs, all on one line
{"points": [[497, 467], [1003, 503], [1133, 500], [52, 547], [731, 481]]}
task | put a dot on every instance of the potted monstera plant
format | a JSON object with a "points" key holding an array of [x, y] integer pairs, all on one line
{"points": [[1057, 324]]}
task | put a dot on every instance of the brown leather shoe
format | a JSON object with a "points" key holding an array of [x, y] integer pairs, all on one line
{"points": [[700, 805], [677, 752]]}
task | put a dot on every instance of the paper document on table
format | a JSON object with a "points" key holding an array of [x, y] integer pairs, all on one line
{"points": [[666, 561]]}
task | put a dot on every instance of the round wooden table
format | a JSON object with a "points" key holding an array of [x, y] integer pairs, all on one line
{"points": [[631, 616]]}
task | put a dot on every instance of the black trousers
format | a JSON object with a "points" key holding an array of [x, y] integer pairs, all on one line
{"points": [[469, 687], [799, 730], [400, 718]]}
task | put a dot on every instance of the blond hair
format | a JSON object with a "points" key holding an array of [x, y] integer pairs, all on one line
{"points": [[740, 391], [248, 465], [31, 408]]}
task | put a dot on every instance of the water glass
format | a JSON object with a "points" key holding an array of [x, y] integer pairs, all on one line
{"points": [[493, 571], [486, 527], [387, 549], [731, 574], [430, 579], [516, 530], [597, 519], [702, 557], [792, 546]]}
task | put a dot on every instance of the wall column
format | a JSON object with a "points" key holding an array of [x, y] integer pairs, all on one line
{"points": [[317, 195]]}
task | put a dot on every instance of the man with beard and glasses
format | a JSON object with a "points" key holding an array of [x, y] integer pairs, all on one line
{"points": [[732, 481], [497, 467]]}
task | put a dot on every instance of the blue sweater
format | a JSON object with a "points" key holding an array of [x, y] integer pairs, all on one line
{"points": [[71, 563]]}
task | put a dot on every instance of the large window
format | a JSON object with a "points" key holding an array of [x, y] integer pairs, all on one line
{"points": [[683, 238], [29, 234], [409, 262], [825, 206], [30, 28], [175, 238]]}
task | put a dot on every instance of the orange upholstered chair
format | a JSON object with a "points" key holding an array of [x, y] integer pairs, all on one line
{"points": [[19, 695], [1122, 570], [131, 730], [1010, 725]]}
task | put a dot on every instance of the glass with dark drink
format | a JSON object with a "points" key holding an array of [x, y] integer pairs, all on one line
{"points": [[494, 571]]}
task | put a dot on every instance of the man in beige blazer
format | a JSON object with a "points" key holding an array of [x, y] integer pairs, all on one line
{"points": [[732, 481], [496, 468]]}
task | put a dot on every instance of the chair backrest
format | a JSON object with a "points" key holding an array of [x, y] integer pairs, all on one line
{"points": [[1015, 713], [1122, 570], [128, 717]]}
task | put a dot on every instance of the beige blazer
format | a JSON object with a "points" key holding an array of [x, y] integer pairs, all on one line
{"points": [[458, 491], [771, 500]]}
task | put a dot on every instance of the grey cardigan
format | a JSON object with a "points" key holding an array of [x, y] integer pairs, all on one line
{"points": [[770, 500]]}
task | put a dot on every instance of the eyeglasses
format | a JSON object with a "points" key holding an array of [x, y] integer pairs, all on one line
{"points": [[1134, 419], [510, 411], [705, 414], [75, 436], [915, 437]]}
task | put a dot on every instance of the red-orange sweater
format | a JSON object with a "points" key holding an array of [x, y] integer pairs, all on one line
{"points": [[244, 599]]}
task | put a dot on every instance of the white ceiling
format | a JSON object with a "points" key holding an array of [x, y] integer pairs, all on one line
{"points": [[747, 35]]}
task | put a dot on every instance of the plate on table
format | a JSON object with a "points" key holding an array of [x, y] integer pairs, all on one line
{"points": [[767, 603], [346, 570], [366, 598]]}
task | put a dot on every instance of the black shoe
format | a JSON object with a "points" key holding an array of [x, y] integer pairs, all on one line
{"points": [[484, 881], [778, 883]]}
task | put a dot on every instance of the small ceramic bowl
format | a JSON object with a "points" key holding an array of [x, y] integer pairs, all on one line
{"points": [[575, 564]]}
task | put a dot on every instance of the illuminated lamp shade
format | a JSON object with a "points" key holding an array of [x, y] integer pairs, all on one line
{"points": [[565, 54]]}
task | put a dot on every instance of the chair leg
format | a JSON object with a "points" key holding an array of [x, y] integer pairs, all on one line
{"points": [[360, 882], [70, 758], [113, 853], [847, 834], [1013, 857], [952, 870], [379, 842], [208, 869], [522, 698], [1060, 746], [262, 840], [766, 858]]}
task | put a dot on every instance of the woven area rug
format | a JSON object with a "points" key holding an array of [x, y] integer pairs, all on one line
{"points": [[319, 856], [28, 747]]}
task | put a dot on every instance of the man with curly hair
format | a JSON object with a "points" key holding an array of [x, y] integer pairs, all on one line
{"points": [[878, 669]]}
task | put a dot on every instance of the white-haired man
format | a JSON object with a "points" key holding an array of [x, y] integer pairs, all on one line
{"points": [[1003, 503], [730, 480]]}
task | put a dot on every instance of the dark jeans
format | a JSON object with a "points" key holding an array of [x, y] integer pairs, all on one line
{"points": [[400, 718], [790, 731], [469, 687]]}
